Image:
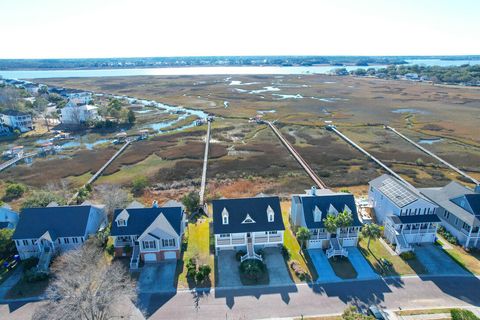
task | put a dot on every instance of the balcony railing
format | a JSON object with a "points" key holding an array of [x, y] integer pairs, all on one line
{"points": [[417, 231], [123, 243]]}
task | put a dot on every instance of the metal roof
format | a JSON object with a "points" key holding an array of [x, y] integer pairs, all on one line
{"points": [[396, 191]]}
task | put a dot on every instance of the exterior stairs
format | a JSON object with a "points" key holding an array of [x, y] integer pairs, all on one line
{"points": [[336, 249], [250, 252], [402, 244], [135, 260], [44, 259]]}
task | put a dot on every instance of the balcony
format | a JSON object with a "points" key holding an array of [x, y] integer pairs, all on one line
{"points": [[123, 243], [419, 231]]}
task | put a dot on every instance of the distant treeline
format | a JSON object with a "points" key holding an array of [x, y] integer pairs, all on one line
{"points": [[468, 75], [26, 64]]}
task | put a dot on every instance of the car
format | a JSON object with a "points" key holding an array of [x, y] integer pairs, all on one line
{"points": [[377, 313]]}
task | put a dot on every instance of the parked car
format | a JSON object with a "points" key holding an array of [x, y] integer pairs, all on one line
{"points": [[377, 313]]}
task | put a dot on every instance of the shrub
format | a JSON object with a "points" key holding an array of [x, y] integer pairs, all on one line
{"points": [[447, 235], [29, 263], [191, 268], [138, 185], [205, 269], [239, 255], [252, 269], [461, 314], [285, 252], [34, 275], [14, 191], [419, 162], [110, 249], [409, 255]]}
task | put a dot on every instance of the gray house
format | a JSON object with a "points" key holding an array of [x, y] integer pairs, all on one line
{"points": [[459, 211]]}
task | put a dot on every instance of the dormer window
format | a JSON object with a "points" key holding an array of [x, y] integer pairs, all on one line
{"points": [[225, 216], [122, 218], [317, 215], [121, 223], [270, 214], [332, 210]]}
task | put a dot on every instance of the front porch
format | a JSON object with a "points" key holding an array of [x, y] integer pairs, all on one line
{"points": [[404, 235]]}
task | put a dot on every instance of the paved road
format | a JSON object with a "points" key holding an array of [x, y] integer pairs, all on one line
{"points": [[287, 301]]}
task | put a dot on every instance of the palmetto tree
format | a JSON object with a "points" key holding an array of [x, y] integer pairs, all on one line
{"points": [[371, 231], [330, 223], [303, 235]]}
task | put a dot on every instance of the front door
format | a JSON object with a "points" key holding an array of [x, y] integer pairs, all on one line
{"points": [[249, 237]]}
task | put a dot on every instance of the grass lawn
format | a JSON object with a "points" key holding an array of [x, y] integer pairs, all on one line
{"points": [[343, 268], [468, 260], [422, 311], [399, 266], [293, 247], [198, 247]]}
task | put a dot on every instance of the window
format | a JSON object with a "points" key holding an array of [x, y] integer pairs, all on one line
{"points": [[168, 242], [446, 214], [149, 244], [17, 242], [270, 217], [75, 240], [66, 240], [225, 235], [456, 221], [121, 223], [33, 242], [225, 219], [272, 232], [25, 242]]}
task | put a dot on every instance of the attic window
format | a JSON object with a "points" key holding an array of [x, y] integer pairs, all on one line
{"points": [[121, 223], [271, 214], [248, 219]]}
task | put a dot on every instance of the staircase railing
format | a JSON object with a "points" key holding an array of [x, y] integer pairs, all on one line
{"points": [[135, 260]]}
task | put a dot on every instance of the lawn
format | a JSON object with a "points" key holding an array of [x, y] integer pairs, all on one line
{"points": [[422, 311], [293, 247], [343, 268], [468, 260], [198, 247], [377, 252]]}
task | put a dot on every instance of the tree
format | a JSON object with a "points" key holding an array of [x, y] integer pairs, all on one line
{"points": [[14, 191], [7, 246], [351, 313], [113, 197], [138, 185], [131, 117], [41, 199], [371, 231], [191, 201], [40, 105], [87, 287], [303, 235], [344, 219], [330, 223]]}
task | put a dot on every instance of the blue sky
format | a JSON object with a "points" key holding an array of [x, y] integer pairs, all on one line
{"points": [[126, 28]]}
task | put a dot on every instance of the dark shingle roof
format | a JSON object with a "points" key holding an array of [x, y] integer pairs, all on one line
{"points": [[421, 218], [238, 210], [4, 225], [337, 200], [141, 218], [64, 221], [469, 202]]}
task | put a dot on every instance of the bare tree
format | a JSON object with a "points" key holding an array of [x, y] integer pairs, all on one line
{"points": [[87, 287], [60, 188], [9, 98], [113, 197]]}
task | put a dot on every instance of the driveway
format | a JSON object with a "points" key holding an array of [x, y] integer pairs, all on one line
{"points": [[158, 277], [228, 273], [436, 261], [363, 268], [277, 269], [324, 269]]}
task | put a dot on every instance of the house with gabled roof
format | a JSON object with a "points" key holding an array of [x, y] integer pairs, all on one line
{"points": [[247, 224], [408, 217], [310, 209], [8, 217], [148, 234], [42, 232], [459, 211]]}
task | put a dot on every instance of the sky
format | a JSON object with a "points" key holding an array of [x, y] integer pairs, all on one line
{"points": [[145, 28]]}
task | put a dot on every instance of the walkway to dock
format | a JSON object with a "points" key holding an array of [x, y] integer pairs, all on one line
{"points": [[356, 146], [433, 155], [11, 162], [205, 161], [297, 157]]}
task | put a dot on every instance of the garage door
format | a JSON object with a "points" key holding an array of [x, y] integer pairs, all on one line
{"points": [[150, 257], [349, 242], [170, 255], [315, 244]]}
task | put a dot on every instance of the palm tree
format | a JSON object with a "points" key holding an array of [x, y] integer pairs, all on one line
{"points": [[371, 231], [344, 219], [331, 223], [303, 235]]}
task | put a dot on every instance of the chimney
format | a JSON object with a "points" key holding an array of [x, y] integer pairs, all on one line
{"points": [[313, 191], [154, 204]]}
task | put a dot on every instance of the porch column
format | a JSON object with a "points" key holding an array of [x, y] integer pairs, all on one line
{"points": [[468, 237]]}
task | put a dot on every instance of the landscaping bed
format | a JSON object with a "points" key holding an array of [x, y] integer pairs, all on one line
{"points": [[343, 268], [253, 272]]}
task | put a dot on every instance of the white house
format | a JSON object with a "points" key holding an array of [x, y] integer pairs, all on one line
{"points": [[408, 217], [310, 209], [148, 234], [74, 114], [42, 232], [8, 217], [459, 211], [247, 224], [16, 120]]}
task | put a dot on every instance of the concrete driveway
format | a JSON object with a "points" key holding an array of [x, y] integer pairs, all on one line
{"points": [[277, 269], [228, 272], [436, 261], [358, 261], [158, 277], [324, 269]]}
